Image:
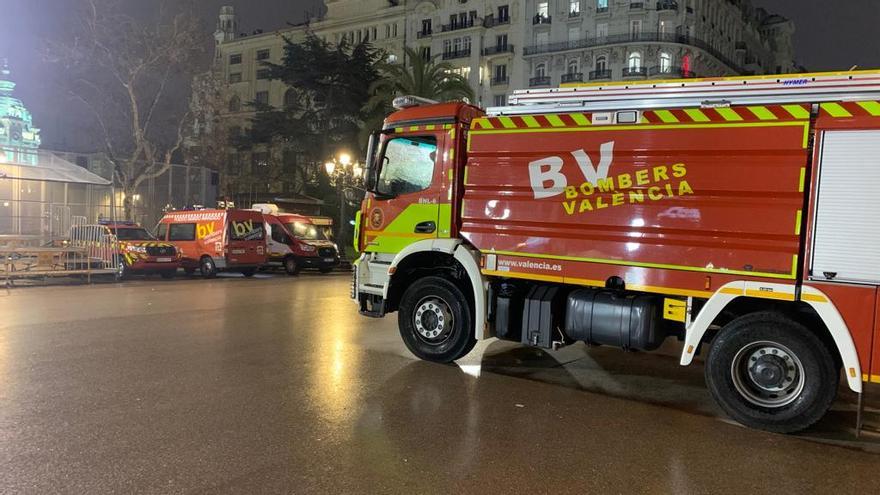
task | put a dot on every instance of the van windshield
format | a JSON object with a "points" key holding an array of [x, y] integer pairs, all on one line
{"points": [[133, 235], [306, 231]]}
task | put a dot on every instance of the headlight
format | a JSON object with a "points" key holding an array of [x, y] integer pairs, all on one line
{"points": [[138, 249], [308, 249]]}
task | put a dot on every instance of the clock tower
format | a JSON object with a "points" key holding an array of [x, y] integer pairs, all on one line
{"points": [[19, 139]]}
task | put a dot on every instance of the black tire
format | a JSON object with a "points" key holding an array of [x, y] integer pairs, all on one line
{"points": [[326, 269], [248, 272], [292, 266], [207, 267], [447, 343], [771, 373], [123, 272], [168, 274]]}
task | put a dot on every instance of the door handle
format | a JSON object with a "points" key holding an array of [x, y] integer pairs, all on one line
{"points": [[426, 228]]}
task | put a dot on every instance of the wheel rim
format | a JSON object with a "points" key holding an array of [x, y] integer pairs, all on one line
{"points": [[208, 266], [433, 320], [767, 374], [291, 265]]}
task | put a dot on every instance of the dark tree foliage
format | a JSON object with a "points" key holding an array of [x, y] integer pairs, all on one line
{"points": [[328, 86]]}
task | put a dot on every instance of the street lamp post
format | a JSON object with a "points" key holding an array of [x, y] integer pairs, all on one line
{"points": [[343, 171]]}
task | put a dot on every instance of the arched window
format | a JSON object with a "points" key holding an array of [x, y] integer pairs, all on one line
{"points": [[573, 66], [540, 70], [665, 62], [601, 63], [289, 98], [235, 104], [635, 60]]}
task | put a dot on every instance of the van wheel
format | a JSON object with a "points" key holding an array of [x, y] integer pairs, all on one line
{"points": [[771, 373], [122, 270], [248, 272], [435, 320], [168, 274], [291, 266], [207, 267]]}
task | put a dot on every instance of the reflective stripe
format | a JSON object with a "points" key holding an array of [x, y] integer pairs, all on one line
{"points": [[666, 116], [797, 111], [729, 114], [872, 107], [697, 115], [836, 110], [763, 113]]}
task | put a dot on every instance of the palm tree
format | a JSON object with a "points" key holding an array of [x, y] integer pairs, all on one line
{"points": [[422, 77]]}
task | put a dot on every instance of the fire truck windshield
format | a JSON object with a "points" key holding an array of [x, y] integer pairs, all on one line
{"points": [[306, 231], [138, 234]]}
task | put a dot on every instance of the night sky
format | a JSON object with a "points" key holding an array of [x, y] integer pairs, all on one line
{"points": [[831, 35]]}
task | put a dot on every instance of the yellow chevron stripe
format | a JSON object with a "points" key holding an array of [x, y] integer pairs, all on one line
{"points": [[666, 116], [398, 130], [797, 111], [414, 128], [531, 121], [729, 114], [507, 122], [430, 127], [872, 107], [763, 113], [836, 110], [697, 115], [484, 123], [554, 120], [802, 180], [580, 119], [797, 222]]}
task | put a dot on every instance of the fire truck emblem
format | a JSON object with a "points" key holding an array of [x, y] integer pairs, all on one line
{"points": [[376, 219]]}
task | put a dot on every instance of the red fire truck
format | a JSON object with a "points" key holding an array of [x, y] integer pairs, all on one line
{"points": [[739, 215]]}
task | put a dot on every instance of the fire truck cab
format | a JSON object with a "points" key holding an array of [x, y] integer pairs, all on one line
{"points": [[737, 215]]}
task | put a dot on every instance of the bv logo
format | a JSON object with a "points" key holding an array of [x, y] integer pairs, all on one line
{"points": [[204, 230], [377, 219], [549, 170], [243, 228]]}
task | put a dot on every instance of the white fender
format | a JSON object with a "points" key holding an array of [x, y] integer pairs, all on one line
{"points": [[469, 259], [810, 295]]}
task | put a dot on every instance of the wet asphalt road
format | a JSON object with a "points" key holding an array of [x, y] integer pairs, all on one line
{"points": [[276, 385]]}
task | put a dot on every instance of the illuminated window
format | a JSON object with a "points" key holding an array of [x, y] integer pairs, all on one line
{"points": [[540, 70], [635, 60], [665, 62], [601, 64]]}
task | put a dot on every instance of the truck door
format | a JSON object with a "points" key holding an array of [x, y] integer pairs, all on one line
{"points": [[410, 201]]}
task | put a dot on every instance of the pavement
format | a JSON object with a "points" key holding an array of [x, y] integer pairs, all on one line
{"points": [[276, 385]]}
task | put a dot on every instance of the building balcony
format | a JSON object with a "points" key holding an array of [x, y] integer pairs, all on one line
{"points": [[574, 14], [457, 26], [539, 81], [602, 10], [453, 54], [586, 43], [599, 75], [500, 81], [573, 77], [670, 72], [635, 71], [636, 5], [492, 21], [667, 5], [541, 19], [497, 50], [424, 34]]}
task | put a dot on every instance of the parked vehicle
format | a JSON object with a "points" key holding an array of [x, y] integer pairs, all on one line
{"points": [[737, 212], [212, 241], [128, 247], [296, 243]]}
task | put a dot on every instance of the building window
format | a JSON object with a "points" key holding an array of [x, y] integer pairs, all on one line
{"points": [[602, 30], [394, 29], [263, 54], [235, 104], [427, 26], [501, 72], [635, 29], [542, 38], [665, 62], [635, 60], [574, 8], [543, 10], [235, 59], [426, 53], [235, 78], [573, 66], [500, 100], [375, 34], [263, 73], [540, 70], [289, 98], [574, 33], [601, 63], [503, 13], [387, 31], [501, 42], [601, 5], [262, 97]]}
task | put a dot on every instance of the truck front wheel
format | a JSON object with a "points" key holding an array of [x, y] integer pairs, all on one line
{"points": [[771, 373], [436, 320], [207, 267]]}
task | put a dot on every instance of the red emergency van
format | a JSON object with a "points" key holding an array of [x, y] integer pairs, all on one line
{"points": [[216, 240], [296, 242]]}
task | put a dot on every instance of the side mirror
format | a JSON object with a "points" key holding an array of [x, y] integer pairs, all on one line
{"points": [[353, 195], [371, 172]]}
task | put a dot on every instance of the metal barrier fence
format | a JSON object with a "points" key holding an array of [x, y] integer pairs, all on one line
{"points": [[100, 244]]}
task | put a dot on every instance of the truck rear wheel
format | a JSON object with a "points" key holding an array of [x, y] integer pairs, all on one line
{"points": [[436, 320], [771, 373], [208, 267]]}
